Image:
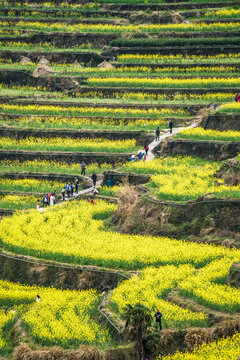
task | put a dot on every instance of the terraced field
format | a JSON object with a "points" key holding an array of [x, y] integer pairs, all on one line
{"points": [[83, 89]]}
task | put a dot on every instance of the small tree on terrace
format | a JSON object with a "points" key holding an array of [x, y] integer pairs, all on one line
{"points": [[138, 319]]}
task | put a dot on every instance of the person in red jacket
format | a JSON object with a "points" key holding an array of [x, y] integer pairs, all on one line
{"points": [[237, 98], [146, 149]]}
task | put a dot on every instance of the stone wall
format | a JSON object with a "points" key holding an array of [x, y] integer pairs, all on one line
{"points": [[222, 122]]}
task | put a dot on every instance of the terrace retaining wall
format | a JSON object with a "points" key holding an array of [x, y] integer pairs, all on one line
{"points": [[68, 157], [55, 57], [31, 271], [222, 122], [131, 178], [211, 150]]}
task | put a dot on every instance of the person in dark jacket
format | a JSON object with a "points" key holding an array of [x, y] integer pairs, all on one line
{"points": [[157, 134], [94, 179], [158, 317], [170, 126], [76, 185]]}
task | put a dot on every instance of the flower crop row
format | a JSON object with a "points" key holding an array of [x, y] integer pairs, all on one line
{"points": [[69, 144], [157, 58], [202, 134], [6, 321], [165, 82], [89, 111], [17, 202], [208, 287], [89, 123], [108, 28], [30, 185]]}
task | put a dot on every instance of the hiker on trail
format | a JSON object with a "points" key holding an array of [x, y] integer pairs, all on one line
{"points": [[157, 134], [54, 196], [140, 155], [51, 200], [144, 157], [48, 197], [212, 106], [83, 166], [158, 317], [68, 190], [92, 201], [146, 149], [170, 126], [237, 98], [94, 179], [72, 188], [45, 201], [63, 192], [76, 186], [38, 299], [38, 204]]}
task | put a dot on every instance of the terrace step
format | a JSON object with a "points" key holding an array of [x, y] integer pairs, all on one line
{"points": [[169, 5], [222, 122], [62, 57], [42, 176], [67, 156], [192, 108], [184, 50], [18, 133], [207, 149], [178, 65]]}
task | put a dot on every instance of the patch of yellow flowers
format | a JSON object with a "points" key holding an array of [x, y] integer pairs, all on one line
{"points": [[182, 179], [70, 144], [231, 107], [199, 133], [62, 317], [73, 233], [29, 185], [222, 349]]}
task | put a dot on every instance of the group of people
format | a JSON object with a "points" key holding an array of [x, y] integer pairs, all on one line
{"points": [[69, 189], [48, 199]]}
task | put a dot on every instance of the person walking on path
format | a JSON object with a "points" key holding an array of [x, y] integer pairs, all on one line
{"points": [[45, 200], [38, 204], [76, 186], [158, 317], [51, 200], [63, 194], [83, 166], [68, 190], [157, 134], [146, 149], [72, 188], [170, 126], [94, 179]]}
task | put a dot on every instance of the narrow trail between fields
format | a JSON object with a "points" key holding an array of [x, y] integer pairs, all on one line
{"points": [[165, 134]]}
